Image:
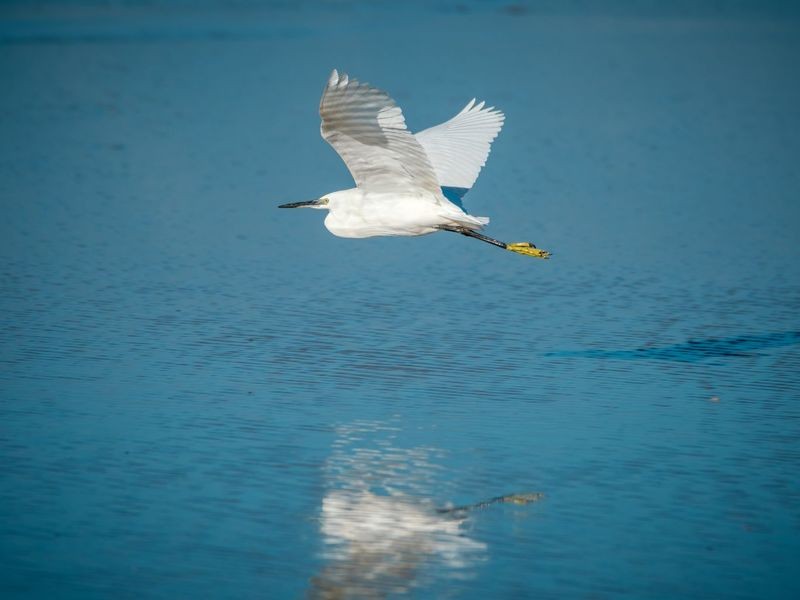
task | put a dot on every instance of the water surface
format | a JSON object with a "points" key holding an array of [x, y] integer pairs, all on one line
{"points": [[206, 397]]}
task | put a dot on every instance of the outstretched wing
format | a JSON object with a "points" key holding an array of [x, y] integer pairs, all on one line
{"points": [[367, 129], [458, 148]]}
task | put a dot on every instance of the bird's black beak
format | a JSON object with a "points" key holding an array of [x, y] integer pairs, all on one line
{"points": [[300, 204]]}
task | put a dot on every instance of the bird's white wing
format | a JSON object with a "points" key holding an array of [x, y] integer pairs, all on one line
{"points": [[367, 129], [458, 148]]}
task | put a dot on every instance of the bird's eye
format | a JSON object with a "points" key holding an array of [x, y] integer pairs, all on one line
{"points": [[323, 201]]}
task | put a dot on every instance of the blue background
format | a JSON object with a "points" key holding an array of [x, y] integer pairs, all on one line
{"points": [[189, 373]]}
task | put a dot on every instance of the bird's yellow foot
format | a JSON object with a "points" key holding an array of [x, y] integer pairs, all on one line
{"points": [[527, 249], [523, 498]]}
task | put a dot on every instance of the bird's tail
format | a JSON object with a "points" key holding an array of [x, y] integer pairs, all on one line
{"points": [[471, 222]]}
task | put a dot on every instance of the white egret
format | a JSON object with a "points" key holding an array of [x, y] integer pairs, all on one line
{"points": [[406, 184]]}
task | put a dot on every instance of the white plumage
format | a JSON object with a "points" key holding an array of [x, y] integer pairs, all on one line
{"points": [[458, 148], [367, 129], [406, 185]]}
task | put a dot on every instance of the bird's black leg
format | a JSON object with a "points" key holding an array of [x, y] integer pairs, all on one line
{"points": [[474, 234], [525, 248], [510, 499]]}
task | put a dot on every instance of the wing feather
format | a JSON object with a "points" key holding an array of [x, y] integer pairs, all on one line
{"points": [[458, 148], [368, 130]]}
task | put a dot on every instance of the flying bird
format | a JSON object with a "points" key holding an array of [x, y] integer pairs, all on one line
{"points": [[406, 184]]}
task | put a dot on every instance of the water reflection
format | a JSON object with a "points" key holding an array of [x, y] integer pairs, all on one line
{"points": [[383, 535], [695, 350]]}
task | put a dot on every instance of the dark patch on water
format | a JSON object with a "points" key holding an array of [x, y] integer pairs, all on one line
{"points": [[693, 350]]}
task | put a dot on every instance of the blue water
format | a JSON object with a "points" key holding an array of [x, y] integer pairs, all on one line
{"points": [[205, 397]]}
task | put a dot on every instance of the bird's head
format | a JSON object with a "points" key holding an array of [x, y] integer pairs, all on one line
{"points": [[320, 203]]}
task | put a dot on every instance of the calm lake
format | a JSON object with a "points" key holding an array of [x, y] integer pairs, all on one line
{"points": [[203, 396]]}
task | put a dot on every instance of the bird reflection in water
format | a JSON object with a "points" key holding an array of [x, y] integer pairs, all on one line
{"points": [[382, 533]]}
